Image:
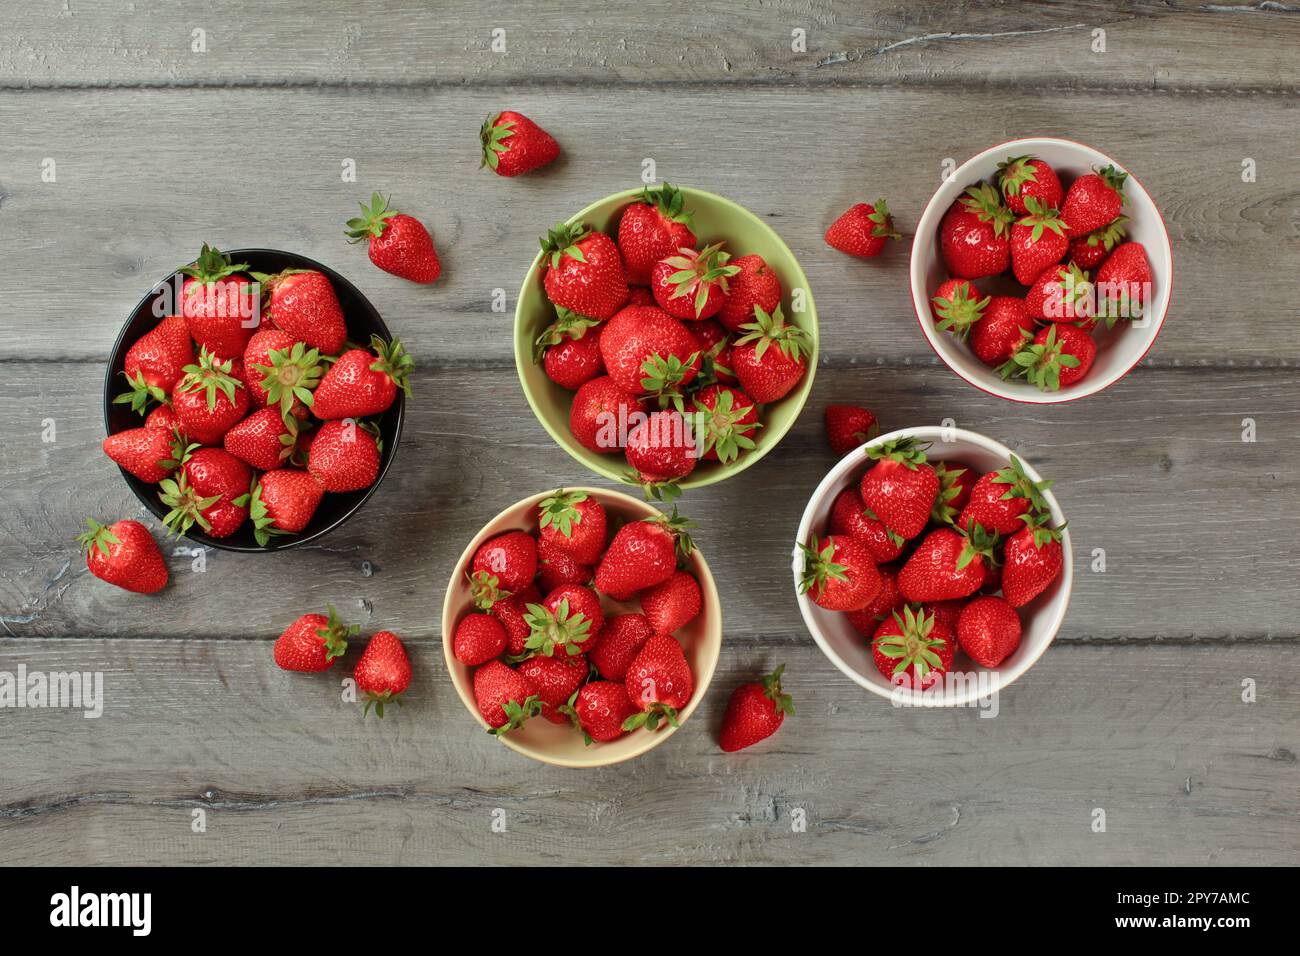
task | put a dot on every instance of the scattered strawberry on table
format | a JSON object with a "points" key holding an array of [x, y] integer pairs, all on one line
{"points": [[514, 144], [124, 553], [1063, 245], [755, 712], [862, 230], [397, 243], [313, 642]]}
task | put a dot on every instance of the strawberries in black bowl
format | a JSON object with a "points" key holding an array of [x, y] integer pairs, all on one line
{"points": [[210, 391]]}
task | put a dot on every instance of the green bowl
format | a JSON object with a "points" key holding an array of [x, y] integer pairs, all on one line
{"points": [[716, 219]]}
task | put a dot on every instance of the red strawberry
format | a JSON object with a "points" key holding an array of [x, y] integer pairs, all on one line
{"points": [[673, 603], [363, 382], [383, 673], [1060, 294], [1023, 178], [220, 306], [205, 492], [660, 450], [573, 356], [399, 244], [621, 639], [151, 454], [715, 349], [947, 564], [1001, 498], [1124, 283], [691, 284], [900, 489], [653, 229], [478, 639], [514, 144], [946, 613], [1037, 241], [344, 456], [574, 523], [313, 642], [862, 230], [262, 439], [156, 362], [730, 418], [647, 350], [282, 501], [504, 697], [1060, 355], [957, 307], [640, 295], [974, 232], [771, 357], [566, 604], [912, 649], [955, 483], [510, 610], [849, 427], [164, 416], [556, 568], [511, 557], [1090, 250], [1094, 200], [1032, 560], [1004, 328], [210, 399], [278, 370], [600, 708], [754, 286], [600, 415], [839, 573], [988, 630], [659, 683], [124, 554], [557, 679], [850, 516], [302, 302], [755, 712], [582, 271], [885, 603], [642, 554]]}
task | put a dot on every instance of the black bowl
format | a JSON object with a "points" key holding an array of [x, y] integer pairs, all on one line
{"points": [[362, 321]]}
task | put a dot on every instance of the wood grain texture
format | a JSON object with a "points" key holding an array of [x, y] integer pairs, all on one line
{"points": [[1162, 46], [140, 187]]}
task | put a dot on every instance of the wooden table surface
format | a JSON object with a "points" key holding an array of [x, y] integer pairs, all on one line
{"points": [[1168, 700]]}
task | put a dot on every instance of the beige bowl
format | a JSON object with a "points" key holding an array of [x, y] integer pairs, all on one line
{"points": [[561, 745]]}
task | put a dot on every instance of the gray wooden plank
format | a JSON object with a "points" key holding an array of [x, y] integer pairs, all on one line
{"points": [[140, 186], [1161, 46], [1156, 736], [1198, 527]]}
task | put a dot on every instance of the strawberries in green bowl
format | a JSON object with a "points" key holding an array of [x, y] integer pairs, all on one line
{"points": [[665, 337]]}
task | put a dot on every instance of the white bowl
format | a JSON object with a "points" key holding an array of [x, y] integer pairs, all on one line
{"points": [[1118, 349], [1040, 619]]}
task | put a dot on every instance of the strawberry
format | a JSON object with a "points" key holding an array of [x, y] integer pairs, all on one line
{"points": [[504, 697], [755, 712], [510, 610], [973, 234], [312, 642], [673, 603], [646, 350], [1006, 326], [839, 573], [155, 363], [514, 144], [771, 357], [220, 306], [1060, 355], [912, 648], [572, 357], [205, 492], [399, 244], [755, 286], [1060, 294], [728, 421], [1022, 178], [511, 557], [621, 639], [692, 284], [363, 382], [955, 485], [1089, 251], [1037, 241], [885, 603], [599, 710], [573, 523], [659, 683], [1000, 499], [640, 295], [600, 413], [1094, 200], [583, 271], [280, 371], [715, 352], [849, 426], [566, 605], [862, 230], [262, 439], [988, 630], [557, 679], [164, 416], [992, 578], [1032, 560], [478, 639], [151, 454], [556, 568], [282, 501], [652, 229], [642, 554], [947, 564], [849, 516], [957, 307], [561, 630], [302, 302], [1124, 283], [900, 489], [124, 554], [210, 398], [383, 673], [344, 456]]}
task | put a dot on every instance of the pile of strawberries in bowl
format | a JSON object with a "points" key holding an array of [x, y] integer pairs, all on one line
{"points": [[241, 410]]}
